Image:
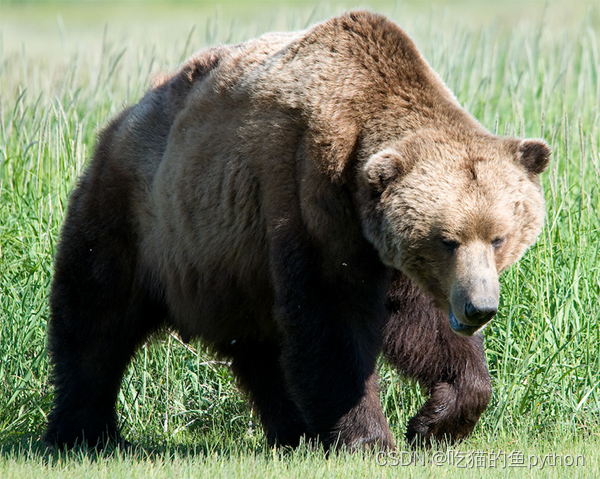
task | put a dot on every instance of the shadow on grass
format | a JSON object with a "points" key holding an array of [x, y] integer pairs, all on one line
{"points": [[33, 448], [208, 449]]}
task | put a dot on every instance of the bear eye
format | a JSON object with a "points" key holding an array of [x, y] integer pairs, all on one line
{"points": [[498, 242], [450, 244]]}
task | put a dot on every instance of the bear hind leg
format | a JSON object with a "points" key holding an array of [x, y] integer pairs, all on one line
{"points": [[88, 366], [99, 315]]}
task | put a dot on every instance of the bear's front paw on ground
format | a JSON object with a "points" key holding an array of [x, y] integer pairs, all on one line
{"points": [[450, 414], [299, 202]]}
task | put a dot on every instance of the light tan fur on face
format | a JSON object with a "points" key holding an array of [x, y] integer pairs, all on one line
{"points": [[456, 213]]}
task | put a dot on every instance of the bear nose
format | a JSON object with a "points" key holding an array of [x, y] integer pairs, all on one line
{"points": [[478, 312]]}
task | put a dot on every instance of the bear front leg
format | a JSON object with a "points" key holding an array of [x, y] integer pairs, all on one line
{"points": [[256, 366], [365, 424], [418, 341], [330, 326]]}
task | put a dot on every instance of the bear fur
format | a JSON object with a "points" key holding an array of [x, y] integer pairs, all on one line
{"points": [[300, 202]]}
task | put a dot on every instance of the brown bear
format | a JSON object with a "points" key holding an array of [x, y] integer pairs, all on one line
{"points": [[299, 202]]}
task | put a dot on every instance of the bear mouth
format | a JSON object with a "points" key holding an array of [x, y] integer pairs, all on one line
{"points": [[460, 328]]}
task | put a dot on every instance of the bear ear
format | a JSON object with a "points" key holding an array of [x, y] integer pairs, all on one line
{"points": [[383, 167], [534, 155]]}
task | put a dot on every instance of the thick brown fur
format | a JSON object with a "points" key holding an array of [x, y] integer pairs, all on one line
{"points": [[260, 199], [418, 340]]}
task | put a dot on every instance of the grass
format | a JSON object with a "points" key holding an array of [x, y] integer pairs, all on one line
{"points": [[538, 76]]}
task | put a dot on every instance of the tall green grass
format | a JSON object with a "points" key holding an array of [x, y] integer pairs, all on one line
{"points": [[543, 348]]}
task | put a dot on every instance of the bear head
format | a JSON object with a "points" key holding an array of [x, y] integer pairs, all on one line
{"points": [[452, 211]]}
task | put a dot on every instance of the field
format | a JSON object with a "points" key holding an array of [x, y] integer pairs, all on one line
{"points": [[522, 68]]}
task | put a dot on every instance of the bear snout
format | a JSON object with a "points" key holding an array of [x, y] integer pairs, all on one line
{"points": [[480, 311], [472, 313]]}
